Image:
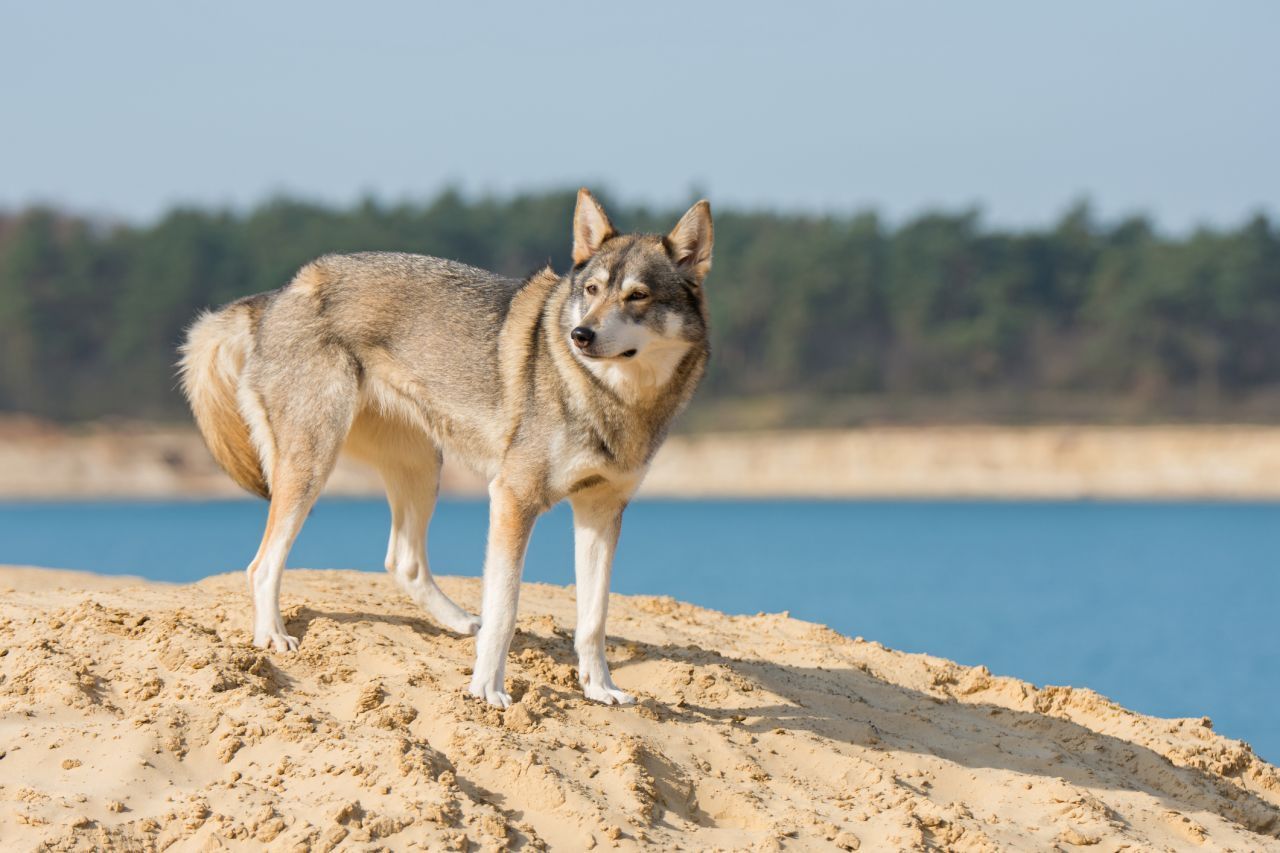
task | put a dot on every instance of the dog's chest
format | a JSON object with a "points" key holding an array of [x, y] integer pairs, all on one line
{"points": [[578, 462]]}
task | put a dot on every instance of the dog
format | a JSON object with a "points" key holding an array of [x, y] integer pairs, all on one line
{"points": [[553, 387]]}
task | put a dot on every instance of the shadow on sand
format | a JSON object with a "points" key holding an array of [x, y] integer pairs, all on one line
{"points": [[882, 715]]}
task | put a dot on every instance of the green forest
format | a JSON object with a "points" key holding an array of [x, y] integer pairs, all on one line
{"points": [[817, 320]]}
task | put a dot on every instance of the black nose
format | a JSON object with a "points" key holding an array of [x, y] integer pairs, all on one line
{"points": [[582, 336]]}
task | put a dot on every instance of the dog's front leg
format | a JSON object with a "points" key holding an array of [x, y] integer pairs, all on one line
{"points": [[597, 520], [510, 522]]}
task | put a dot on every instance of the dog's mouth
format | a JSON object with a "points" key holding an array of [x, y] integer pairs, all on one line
{"points": [[625, 354]]}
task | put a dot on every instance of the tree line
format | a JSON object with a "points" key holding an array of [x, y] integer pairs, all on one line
{"points": [[816, 319]]}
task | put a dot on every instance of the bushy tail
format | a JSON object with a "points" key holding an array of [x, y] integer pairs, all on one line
{"points": [[213, 357]]}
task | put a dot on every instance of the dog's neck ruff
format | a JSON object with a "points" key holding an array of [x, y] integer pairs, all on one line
{"points": [[630, 411]]}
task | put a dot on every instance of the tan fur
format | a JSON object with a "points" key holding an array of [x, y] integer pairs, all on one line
{"points": [[212, 360], [514, 343], [309, 280], [263, 439], [383, 439], [396, 394], [510, 518], [282, 499]]}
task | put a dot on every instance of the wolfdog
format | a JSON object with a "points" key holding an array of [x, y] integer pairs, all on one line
{"points": [[554, 387]]}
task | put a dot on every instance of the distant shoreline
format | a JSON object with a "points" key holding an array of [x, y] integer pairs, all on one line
{"points": [[42, 461]]}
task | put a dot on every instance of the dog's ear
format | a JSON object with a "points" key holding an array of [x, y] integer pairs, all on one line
{"points": [[689, 243], [590, 227]]}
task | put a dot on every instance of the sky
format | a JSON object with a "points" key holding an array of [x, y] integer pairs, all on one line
{"points": [[1164, 108]]}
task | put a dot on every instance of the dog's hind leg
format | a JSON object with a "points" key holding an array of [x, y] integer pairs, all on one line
{"points": [[412, 485], [306, 418], [409, 462], [292, 495]]}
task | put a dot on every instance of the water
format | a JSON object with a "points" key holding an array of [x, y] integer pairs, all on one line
{"points": [[1168, 608]]}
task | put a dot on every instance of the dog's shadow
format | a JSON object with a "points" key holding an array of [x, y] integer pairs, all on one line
{"points": [[299, 618], [885, 716]]}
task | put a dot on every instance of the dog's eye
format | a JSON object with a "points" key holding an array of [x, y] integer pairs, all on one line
{"points": [[637, 295], [592, 290]]}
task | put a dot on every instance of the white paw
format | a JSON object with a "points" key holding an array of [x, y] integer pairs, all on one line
{"points": [[464, 624], [443, 610], [607, 694], [277, 641], [483, 688]]}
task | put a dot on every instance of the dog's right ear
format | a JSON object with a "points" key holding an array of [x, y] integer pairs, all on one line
{"points": [[590, 227], [689, 243]]}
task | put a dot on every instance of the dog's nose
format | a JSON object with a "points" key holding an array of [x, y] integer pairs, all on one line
{"points": [[582, 336]]}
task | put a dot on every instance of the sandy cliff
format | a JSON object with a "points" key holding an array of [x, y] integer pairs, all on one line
{"points": [[136, 715], [43, 461]]}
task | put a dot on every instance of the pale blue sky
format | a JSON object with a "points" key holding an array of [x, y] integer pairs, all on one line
{"points": [[1168, 107]]}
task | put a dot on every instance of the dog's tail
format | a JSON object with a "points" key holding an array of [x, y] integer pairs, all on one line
{"points": [[213, 359]]}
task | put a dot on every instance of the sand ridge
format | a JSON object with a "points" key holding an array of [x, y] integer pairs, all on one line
{"points": [[139, 717]]}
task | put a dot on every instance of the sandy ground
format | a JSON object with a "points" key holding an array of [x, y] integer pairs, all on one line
{"points": [[137, 716], [39, 460]]}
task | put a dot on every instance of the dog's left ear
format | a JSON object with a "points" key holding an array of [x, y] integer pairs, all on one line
{"points": [[590, 227], [689, 243]]}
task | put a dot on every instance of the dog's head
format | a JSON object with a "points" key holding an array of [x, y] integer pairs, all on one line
{"points": [[636, 304]]}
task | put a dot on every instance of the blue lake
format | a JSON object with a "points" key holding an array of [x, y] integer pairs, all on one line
{"points": [[1168, 608]]}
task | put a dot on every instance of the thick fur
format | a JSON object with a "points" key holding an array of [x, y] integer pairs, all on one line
{"points": [[553, 387], [212, 361]]}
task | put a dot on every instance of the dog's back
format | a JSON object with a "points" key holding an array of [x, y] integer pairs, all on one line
{"points": [[413, 307], [407, 336]]}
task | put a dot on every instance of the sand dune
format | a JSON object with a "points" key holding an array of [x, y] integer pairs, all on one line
{"points": [[137, 716]]}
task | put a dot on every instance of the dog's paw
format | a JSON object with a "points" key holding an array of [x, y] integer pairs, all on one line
{"points": [[277, 641], [489, 692], [607, 695], [465, 624], [449, 614]]}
